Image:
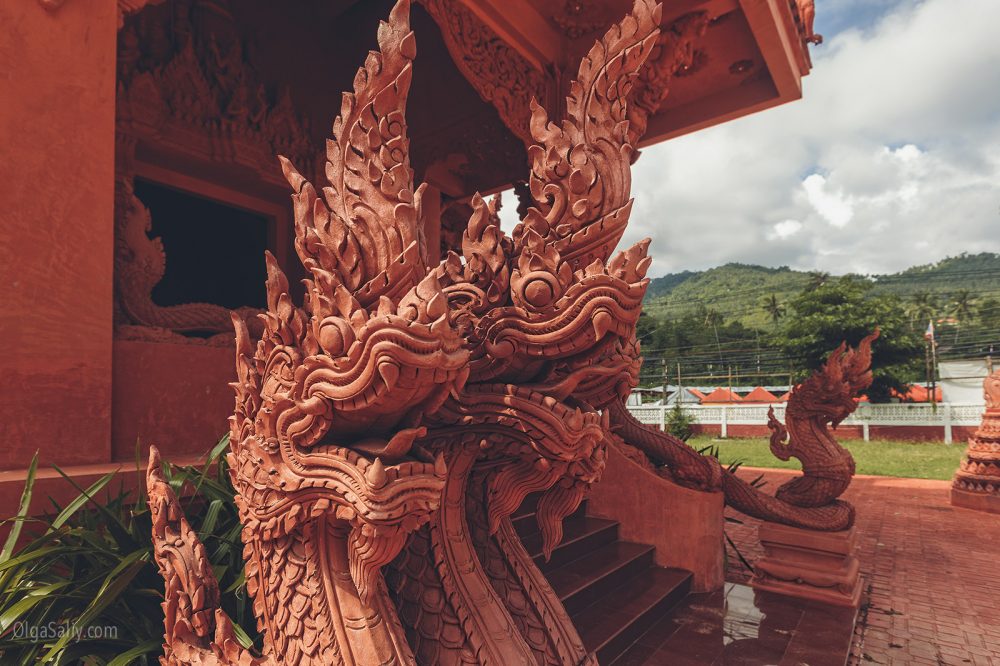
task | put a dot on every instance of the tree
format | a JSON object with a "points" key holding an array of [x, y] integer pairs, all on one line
{"points": [[961, 308], [989, 315], [922, 307], [679, 423], [817, 279], [845, 310], [773, 308]]}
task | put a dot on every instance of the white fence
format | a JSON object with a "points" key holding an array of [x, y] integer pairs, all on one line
{"points": [[941, 415]]}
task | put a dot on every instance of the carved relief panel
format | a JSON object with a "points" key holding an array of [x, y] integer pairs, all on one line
{"points": [[193, 114]]}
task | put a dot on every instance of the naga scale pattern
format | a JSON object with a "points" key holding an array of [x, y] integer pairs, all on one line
{"points": [[386, 429]]}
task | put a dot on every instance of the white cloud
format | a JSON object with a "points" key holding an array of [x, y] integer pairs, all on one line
{"points": [[891, 159], [785, 228], [834, 207]]}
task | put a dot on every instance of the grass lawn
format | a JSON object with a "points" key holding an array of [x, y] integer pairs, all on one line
{"points": [[915, 460]]}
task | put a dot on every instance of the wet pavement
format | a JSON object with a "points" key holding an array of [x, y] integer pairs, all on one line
{"points": [[931, 580], [738, 626]]}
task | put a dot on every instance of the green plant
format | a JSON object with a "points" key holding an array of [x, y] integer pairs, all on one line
{"points": [[679, 423], [82, 586]]}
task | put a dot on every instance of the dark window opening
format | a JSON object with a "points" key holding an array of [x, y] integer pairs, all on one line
{"points": [[215, 252]]}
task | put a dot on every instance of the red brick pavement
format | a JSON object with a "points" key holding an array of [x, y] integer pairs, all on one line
{"points": [[932, 572]]}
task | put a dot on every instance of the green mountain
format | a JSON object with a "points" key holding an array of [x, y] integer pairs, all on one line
{"points": [[738, 291]]}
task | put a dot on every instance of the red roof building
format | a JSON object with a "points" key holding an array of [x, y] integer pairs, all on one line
{"points": [[721, 395], [760, 394]]}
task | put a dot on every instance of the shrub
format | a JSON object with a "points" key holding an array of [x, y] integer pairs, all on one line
{"points": [[679, 423], [82, 588]]}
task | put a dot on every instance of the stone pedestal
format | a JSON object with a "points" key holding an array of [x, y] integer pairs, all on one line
{"points": [[977, 481], [819, 566]]}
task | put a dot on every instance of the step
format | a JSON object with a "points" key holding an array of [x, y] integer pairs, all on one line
{"points": [[612, 624], [592, 577], [581, 535]]}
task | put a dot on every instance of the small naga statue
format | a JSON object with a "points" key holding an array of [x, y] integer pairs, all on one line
{"points": [[387, 428], [809, 501]]}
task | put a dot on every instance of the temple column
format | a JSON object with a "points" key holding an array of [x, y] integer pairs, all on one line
{"points": [[57, 188]]}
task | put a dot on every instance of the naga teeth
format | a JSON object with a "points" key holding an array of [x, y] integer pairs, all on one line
{"points": [[602, 323], [389, 372], [440, 467]]}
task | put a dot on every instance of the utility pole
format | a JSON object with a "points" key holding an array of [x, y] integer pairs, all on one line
{"points": [[934, 374], [927, 364], [665, 377]]}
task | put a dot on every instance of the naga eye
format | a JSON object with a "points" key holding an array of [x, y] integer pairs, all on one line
{"points": [[539, 288], [538, 293], [335, 335]]}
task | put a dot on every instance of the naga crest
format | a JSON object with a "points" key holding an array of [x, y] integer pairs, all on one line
{"points": [[830, 393], [401, 406]]}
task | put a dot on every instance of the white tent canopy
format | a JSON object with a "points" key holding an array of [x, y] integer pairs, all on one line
{"points": [[962, 381]]}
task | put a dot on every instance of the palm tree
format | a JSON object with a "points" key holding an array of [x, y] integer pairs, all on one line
{"points": [[961, 308], [922, 307], [714, 319], [774, 308], [817, 279]]}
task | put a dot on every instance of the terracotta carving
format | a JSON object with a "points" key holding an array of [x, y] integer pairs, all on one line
{"points": [[386, 429], [184, 87], [977, 481], [508, 81], [810, 501], [140, 263], [806, 14], [674, 52], [501, 75]]}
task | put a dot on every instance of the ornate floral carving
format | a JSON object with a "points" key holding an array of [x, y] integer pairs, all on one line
{"points": [[400, 410], [501, 75], [674, 52], [809, 501], [184, 85]]}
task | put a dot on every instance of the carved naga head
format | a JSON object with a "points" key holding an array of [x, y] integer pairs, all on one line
{"points": [[523, 339], [330, 400], [829, 394], [549, 319]]}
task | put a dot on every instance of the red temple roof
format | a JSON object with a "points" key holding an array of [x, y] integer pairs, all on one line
{"points": [[721, 395], [760, 394]]}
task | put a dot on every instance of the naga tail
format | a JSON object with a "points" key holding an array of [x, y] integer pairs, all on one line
{"points": [[196, 630]]}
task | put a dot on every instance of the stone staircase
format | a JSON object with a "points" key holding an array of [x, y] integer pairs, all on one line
{"points": [[611, 588]]}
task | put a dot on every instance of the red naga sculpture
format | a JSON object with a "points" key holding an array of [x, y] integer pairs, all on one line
{"points": [[402, 410], [809, 501]]}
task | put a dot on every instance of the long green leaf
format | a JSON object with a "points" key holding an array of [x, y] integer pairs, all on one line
{"points": [[22, 511], [21, 608], [114, 584], [32, 554], [146, 647], [80, 501]]}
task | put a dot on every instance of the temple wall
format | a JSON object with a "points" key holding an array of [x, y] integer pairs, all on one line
{"points": [[56, 183], [176, 396], [686, 526]]}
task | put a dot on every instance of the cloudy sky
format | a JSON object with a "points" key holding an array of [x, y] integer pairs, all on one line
{"points": [[892, 157]]}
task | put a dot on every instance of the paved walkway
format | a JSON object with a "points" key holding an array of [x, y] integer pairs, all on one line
{"points": [[932, 572]]}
